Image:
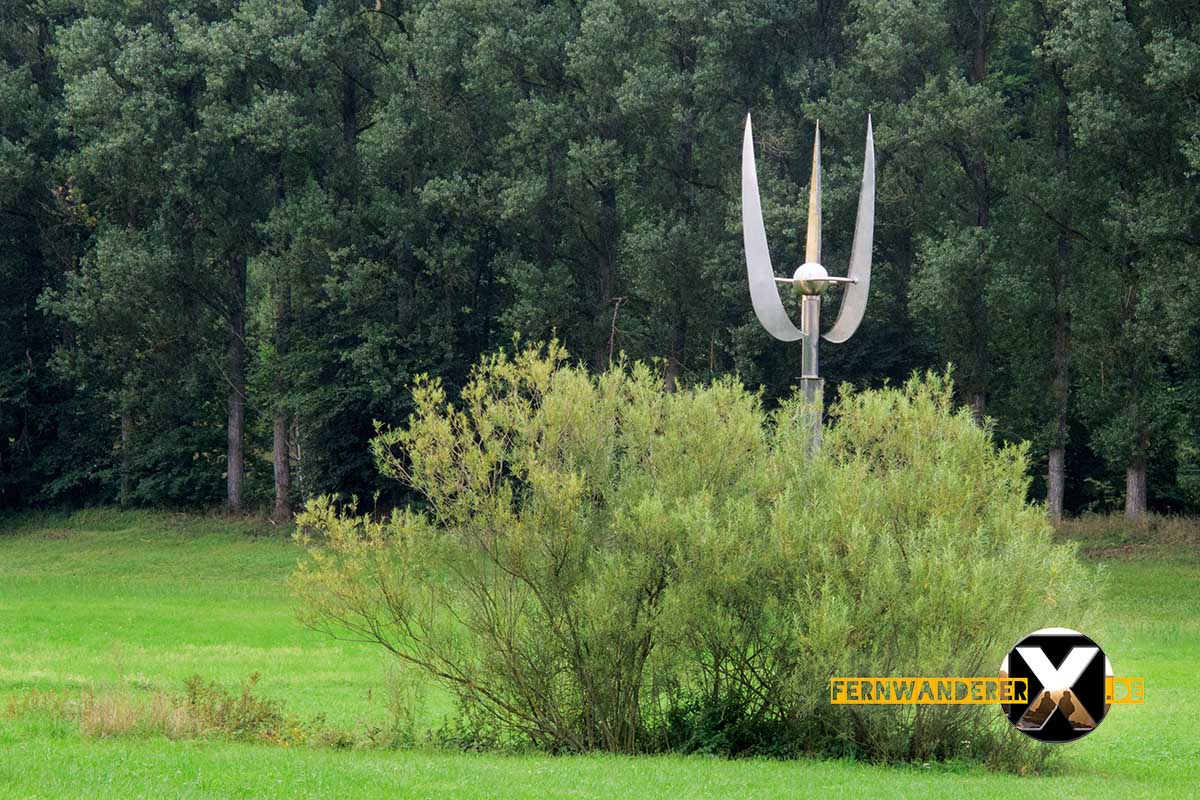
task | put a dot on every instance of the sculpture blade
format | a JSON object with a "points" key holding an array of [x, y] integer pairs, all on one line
{"points": [[763, 293], [854, 296]]}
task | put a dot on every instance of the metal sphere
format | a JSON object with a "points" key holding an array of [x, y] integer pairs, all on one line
{"points": [[810, 278]]}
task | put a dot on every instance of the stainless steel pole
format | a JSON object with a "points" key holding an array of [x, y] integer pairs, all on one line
{"points": [[811, 386]]}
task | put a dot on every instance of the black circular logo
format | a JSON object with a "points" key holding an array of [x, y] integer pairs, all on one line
{"points": [[1067, 676]]}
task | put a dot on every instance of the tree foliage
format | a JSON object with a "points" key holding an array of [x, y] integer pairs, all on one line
{"points": [[243, 227]]}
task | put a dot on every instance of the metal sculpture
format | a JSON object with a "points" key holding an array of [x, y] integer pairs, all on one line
{"points": [[810, 279]]}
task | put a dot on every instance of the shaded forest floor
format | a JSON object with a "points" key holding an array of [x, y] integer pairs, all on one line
{"points": [[128, 605]]}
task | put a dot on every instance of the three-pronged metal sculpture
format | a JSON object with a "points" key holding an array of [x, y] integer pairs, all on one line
{"points": [[810, 278]]}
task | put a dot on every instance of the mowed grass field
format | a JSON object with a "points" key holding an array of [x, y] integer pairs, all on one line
{"points": [[136, 602]]}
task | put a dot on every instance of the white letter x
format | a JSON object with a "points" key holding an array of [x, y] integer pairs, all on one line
{"points": [[1055, 680]]}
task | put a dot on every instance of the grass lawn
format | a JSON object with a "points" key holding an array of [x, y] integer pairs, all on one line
{"points": [[138, 601]]}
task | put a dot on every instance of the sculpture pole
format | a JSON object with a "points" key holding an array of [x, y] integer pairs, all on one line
{"points": [[810, 279]]}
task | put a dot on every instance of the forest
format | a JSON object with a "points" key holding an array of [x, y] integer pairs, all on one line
{"points": [[233, 233]]}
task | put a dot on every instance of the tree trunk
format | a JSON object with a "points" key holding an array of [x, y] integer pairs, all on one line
{"points": [[978, 404], [671, 375], [126, 432], [977, 69], [281, 423], [1055, 479], [297, 456], [283, 475], [1135, 465], [606, 273], [282, 446], [235, 459], [674, 366], [1135, 489], [1060, 376], [980, 176]]}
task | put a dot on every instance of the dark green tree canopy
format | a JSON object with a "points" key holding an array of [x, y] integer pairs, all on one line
{"points": [[235, 231]]}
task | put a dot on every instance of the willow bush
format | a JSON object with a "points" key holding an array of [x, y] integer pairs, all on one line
{"points": [[599, 564]]}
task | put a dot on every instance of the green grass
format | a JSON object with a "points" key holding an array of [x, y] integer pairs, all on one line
{"points": [[139, 601], [147, 600]]}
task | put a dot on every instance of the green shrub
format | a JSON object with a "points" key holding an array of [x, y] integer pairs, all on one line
{"points": [[602, 565]]}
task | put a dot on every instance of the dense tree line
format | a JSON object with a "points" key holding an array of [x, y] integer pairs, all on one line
{"points": [[233, 231]]}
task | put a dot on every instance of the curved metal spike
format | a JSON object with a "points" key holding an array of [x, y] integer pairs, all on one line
{"points": [[763, 293], [854, 297]]}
